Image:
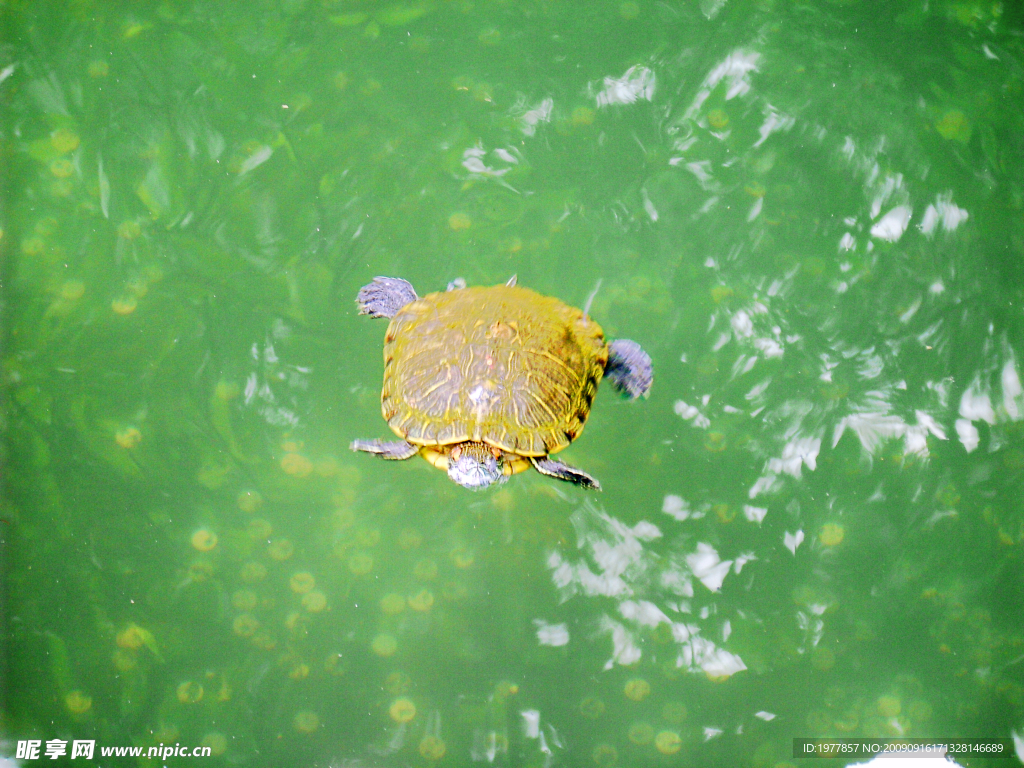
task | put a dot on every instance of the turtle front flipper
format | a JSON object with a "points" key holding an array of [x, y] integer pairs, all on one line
{"points": [[555, 468], [396, 450], [385, 296], [629, 368]]}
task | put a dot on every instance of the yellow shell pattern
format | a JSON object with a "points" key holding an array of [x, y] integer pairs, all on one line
{"points": [[501, 365]]}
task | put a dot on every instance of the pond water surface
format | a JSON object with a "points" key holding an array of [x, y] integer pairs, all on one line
{"points": [[810, 214]]}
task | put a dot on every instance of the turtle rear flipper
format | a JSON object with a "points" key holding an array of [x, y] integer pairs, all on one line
{"points": [[397, 450], [555, 468], [629, 368], [385, 296]]}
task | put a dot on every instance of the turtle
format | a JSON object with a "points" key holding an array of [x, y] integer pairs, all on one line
{"points": [[488, 381]]}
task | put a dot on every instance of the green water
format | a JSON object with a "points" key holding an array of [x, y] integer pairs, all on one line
{"points": [[811, 215]]}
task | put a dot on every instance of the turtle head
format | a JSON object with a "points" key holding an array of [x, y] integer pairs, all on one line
{"points": [[475, 466]]}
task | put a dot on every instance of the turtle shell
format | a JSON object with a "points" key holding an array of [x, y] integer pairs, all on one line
{"points": [[500, 365]]}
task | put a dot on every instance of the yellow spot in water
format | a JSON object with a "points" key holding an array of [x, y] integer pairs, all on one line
{"points": [[724, 513], [351, 475], [384, 645], [836, 390], [831, 534], [224, 693], [462, 558], [920, 711], [425, 570], [360, 563], [629, 10], [216, 742], [212, 474], [124, 305], [823, 659], [889, 706], [61, 187], [124, 661], [259, 529], [582, 116], [718, 119], [190, 692], [591, 707], [248, 501], [392, 604], [640, 733], [343, 518], [299, 671], [637, 689], [668, 742], [280, 550], [454, 591], [128, 438], [489, 36], [245, 625], [954, 126], [204, 540], [46, 226], [244, 600], [402, 710], [98, 69], [131, 637], [200, 570], [368, 537], [432, 747], [326, 466], [422, 601], [334, 664], [253, 572], [306, 721], [847, 722], [264, 641], [296, 465], [720, 293], [604, 754], [715, 442], [341, 80], [459, 221], [129, 229], [371, 85], [134, 29], [397, 683], [62, 168], [503, 500], [302, 582], [72, 290], [64, 140], [226, 391], [409, 538], [77, 702], [503, 689], [33, 246], [315, 601]]}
